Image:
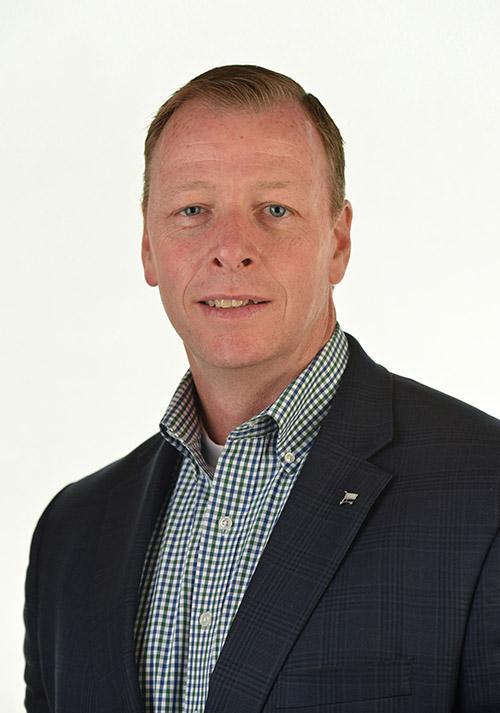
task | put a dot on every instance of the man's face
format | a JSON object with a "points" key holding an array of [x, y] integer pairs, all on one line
{"points": [[239, 208]]}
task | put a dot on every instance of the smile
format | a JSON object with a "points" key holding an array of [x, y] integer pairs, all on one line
{"points": [[232, 309], [226, 304]]}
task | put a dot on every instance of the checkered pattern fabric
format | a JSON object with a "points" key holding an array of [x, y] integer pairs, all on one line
{"points": [[210, 536]]}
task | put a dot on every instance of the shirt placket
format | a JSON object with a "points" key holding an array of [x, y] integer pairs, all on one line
{"points": [[190, 595], [220, 523]]}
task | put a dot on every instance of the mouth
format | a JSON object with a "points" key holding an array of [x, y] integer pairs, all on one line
{"points": [[231, 303], [232, 307]]}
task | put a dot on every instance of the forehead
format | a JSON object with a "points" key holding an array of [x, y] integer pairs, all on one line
{"points": [[204, 136]]}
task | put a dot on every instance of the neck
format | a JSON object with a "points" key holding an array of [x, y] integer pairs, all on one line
{"points": [[227, 398]]}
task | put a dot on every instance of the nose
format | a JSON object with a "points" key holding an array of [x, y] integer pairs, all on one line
{"points": [[233, 248], [223, 260]]}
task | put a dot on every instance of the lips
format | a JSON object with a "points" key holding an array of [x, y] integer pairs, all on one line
{"points": [[240, 298], [240, 312], [230, 304]]}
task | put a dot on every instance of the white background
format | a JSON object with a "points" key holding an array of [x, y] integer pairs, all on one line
{"points": [[88, 358]]}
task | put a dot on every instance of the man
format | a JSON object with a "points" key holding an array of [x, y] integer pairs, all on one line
{"points": [[307, 531]]}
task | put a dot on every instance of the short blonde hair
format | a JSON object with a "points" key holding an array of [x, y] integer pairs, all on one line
{"points": [[252, 87]]}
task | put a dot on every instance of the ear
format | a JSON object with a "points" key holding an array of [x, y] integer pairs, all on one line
{"points": [[148, 258], [342, 238]]}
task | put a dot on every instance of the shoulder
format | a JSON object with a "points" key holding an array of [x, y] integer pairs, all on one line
{"points": [[423, 409], [90, 491], [410, 413], [115, 472], [442, 445]]}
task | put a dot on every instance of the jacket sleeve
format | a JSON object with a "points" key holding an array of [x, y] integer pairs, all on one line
{"points": [[479, 683], [35, 700], [35, 697]]}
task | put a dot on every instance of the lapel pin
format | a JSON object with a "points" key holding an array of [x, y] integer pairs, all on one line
{"points": [[348, 498]]}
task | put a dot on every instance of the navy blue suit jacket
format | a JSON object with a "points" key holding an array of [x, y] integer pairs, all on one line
{"points": [[390, 604]]}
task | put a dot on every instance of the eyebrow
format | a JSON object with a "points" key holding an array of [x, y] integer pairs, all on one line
{"points": [[190, 185], [273, 184], [180, 187]]}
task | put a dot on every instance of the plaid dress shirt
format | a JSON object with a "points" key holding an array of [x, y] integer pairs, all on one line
{"points": [[209, 536]]}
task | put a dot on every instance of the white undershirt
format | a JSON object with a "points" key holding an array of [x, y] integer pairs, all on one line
{"points": [[211, 450]]}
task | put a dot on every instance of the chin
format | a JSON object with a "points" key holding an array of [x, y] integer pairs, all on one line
{"points": [[233, 361], [233, 356]]}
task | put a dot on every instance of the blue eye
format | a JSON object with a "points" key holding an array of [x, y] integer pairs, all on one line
{"points": [[277, 211], [191, 210]]}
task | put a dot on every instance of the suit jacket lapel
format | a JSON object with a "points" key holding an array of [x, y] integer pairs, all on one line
{"points": [[132, 508], [310, 538]]}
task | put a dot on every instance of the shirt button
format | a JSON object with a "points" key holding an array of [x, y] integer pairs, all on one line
{"points": [[205, 620], [289, 457], [225, 523]]}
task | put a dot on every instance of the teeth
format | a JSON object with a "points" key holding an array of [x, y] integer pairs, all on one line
{"points": [[226, 304]]}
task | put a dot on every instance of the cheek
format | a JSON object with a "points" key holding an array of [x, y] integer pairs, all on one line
{"points": [[176, 267], [306, 285], [171, 293], [301, 274]]}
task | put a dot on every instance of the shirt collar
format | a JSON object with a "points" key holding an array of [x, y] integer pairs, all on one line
{"points": [[302, 405], [296, 413]]}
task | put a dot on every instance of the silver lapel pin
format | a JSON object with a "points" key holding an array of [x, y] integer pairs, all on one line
{"points": [[348, 498]]}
